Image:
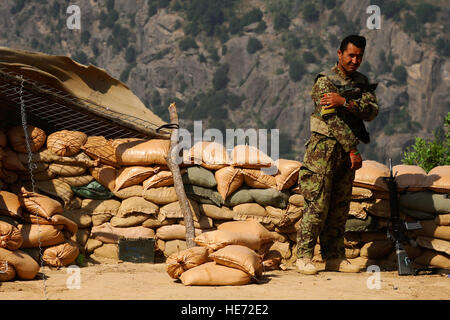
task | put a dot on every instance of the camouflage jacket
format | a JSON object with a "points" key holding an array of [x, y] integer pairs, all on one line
{"points": [[346, 126]]}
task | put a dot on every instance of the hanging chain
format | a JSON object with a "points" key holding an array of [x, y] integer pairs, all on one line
{"points": [[31, 166]]}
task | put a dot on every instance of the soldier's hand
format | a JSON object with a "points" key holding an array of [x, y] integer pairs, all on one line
{"points": [[356, 159], [332, 100]]}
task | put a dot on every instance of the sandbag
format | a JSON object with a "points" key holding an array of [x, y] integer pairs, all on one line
{"points": [[419, 215], [296, 199], [203, 195], [370, 175], [16, 137], [66, 143], [251, 211], [174, 232], [378, 207], [10, 236], [67, 224], [105, 175], [161, 179], [172, 246], [7, 271], [61, 255], [10, 204], [128, 192], [142, 152], [203, 222], [99, 148], [287, 174], [199, 176], [81, 237], [179, 262], [240, 196], [426, 201], [256, 178], [356, 209], [368, 224], [93, 190], [433, 258], [251, 227], [107, 233], [131, 220], [34, 235], [246, 156], [208, 154], [108, 250], [229, 179], [218, 239], [95, 207], [91, 245], [270, 197], [131, 176], [80, 216], [67, 170], [430, 229], [136, 205], [155, 222], [442, 220], [439, 179], [78, 181], [410, 177], [376, 249], [55, 188], [11, 161], [359, 193], [215, 212], [160, 196], [173, 210], [26, 267], [239, 257], [434, 244], [39, 204], [102, 218], [212, 274], [47, 156]]}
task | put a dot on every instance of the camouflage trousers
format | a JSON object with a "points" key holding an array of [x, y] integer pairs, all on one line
{"points": [[325, 180]]}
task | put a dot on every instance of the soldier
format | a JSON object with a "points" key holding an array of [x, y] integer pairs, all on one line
{"points": [[343, 98]]}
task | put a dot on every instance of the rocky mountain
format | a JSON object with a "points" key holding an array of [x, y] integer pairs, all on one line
{"points": [[251, 63]]}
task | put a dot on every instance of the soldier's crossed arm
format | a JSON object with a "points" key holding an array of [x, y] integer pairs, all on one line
{"points": [[365, 108]]}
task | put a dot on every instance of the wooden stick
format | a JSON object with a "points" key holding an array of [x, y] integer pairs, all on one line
{"points": [[177, 180]]}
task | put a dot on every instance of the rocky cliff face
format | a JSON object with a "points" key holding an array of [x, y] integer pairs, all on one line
{"points": [[226, 85]]}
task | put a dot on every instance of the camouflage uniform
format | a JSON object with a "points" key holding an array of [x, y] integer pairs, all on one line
{"points": [[325, 177]]}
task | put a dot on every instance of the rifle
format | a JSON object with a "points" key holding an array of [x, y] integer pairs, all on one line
{"points": [[399, 228]]}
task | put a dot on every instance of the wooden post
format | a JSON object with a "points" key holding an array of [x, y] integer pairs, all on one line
{"points": [[177, 180]]}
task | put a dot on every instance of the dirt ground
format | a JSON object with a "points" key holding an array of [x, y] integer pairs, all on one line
{"points": [[115, 280]]}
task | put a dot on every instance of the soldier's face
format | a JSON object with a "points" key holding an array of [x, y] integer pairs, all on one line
{"points": [[351, 58]]}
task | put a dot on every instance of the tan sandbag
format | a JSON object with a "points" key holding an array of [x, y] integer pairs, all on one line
{"points": [[66, 143], [212, 274], [95, 207], [136, 205], [215, 212], [179, 262], [271, 261], [287, 174], [359, 193], [8, 177], [91, 245], [256, 178], [39, 204], [11, 161], [101, 218], [46, 156], [172, 246], [248, 227], [442, 219], [253, 211], [16, 137], [55, 188], [3, 139], [45, 175], [35, 235], [105, 175], [296, 199], [208, 154], [434, 244], [77, 181], [246, 156], [26, 267], [61, 255], [142, 152], [10, 236], [173, 210], [163, 178], [131, 220], [218, 239], [175, 232], [68, 225], [430, 229], [229, 179], [67, 170], [372, 236], [80, 216], [282, 248], [410, 177], [7, 271], [240, 257], [155, 222], [128, 192], [107, 233], [160, 196], [81, 237], [131, 176], [439, 179], [351, 253], [10, 204], [108, 250], [376, 249], [203, 222], [99, 148], [433, 258], [370, 175]]}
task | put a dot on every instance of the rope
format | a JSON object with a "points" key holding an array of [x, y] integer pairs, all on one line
{"points": [[31, 166]]}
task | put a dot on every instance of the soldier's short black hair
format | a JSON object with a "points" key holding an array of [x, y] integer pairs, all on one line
{"points": [[358, 41]]}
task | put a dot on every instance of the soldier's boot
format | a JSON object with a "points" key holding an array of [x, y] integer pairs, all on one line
{"points": [[341, 265], [305, 266]]}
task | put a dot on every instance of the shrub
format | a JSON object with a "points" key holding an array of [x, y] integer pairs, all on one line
{"points": [[220, 78], [330, 4], [80, 57], [130, 54], [281, 21], [187, 43], [253, 45], [426, 12], [443, 47], [296, 69], [261, 27], [410, 24], [254, 15], [308, 57], [85, 36], [310, 13], [400, 74], [18, 6]]}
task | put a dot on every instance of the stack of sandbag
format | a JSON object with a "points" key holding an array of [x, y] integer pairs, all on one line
{"points": [[229, 255]]}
